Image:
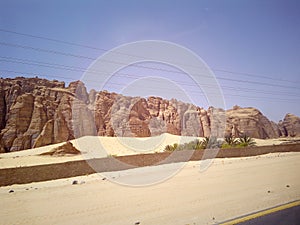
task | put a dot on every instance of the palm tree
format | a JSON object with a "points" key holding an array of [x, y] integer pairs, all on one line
{"points": [[197, 145], [210, 142], [246, 141], [230, 140], [175, 146], [171, 148], [204, 143]]}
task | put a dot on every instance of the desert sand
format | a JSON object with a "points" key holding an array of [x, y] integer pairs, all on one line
{"points": [[99, 147], [92, 147], [227, 189]]}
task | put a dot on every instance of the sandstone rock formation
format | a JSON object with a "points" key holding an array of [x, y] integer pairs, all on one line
{"points": [[36, 112], [65, 149], [290, 126], [251, 122]]}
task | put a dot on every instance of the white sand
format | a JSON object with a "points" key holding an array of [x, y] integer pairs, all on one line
{"points": [[227, 189], [99, 147]]}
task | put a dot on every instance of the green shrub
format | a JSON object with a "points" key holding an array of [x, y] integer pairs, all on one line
{"points": [[171, 148], [245, 141], [198, 145], [175, 146], [230, 140], [195, 145], [226, 145], [212, 143]]}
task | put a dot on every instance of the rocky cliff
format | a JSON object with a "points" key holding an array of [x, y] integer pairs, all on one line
{"points": [[250, 121], [36, 112], [290, 125]]}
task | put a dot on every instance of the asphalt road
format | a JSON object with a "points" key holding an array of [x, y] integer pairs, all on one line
{"points": [[290, 216], [286, 214]]}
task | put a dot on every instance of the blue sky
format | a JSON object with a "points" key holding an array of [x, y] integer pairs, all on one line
{"points": [[257, 42]]}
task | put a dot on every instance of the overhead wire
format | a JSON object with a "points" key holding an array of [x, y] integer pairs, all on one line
{"points": [[170, 90], [81, 69], [147, 67], [117, 52], [78, 69]]}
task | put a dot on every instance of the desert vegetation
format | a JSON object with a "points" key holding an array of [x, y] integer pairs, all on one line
{"points": [[212, 143]]}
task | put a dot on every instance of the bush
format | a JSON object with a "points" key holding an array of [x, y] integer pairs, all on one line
{"points": [[212, 143], [195, 145], [229, 142], [241, 142], [226, 145], [245, 141], [171, 148]]}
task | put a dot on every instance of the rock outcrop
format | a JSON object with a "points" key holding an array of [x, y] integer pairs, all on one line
{"points": [[290, 125], [251, 122], [63, 150], [36, 112]]}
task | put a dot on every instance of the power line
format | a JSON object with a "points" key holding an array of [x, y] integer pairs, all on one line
{"points": [[169, 89], [145, 67], [36, 74], [253, 75], [233, 95], [53, 66], [46, 50], [81, 69], [52, 39], [106, 50]]}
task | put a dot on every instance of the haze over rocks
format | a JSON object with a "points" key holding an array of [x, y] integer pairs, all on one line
{"points": [[35, 112]]}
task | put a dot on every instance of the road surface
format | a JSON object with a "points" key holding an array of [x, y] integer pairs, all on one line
{"points": [[287, 214]]}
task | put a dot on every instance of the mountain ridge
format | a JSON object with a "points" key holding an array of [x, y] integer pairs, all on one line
{"points": [[35, 112]]}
